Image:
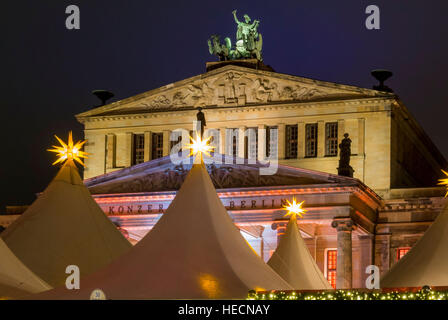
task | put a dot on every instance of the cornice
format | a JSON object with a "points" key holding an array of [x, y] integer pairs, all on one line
{"points": [[288, 105]]}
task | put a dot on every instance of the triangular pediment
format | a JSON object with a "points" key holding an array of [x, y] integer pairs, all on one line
{"points": [[232, 86], [163, 175]]}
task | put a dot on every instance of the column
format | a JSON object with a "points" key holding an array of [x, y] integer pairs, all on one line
{"points": [[320, 139], [222, 140], [166, 142], [281, 229], [148, 145], [301, 140], [110, 151], [281, 141], [241, 144], [344, 229], [128, 149], [261, 142]]}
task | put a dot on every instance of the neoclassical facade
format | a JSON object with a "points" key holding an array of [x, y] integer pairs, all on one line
{"points": [[247, 109], [257, 116]]}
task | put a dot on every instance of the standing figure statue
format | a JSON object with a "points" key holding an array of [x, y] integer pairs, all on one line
{"points": [[344, 168], [247, 37], [246, 31], [200, 117]]}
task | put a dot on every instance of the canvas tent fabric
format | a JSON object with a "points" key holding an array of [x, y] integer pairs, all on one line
{"points": [[426, 263], [16, 280], [294, 263], [195, 251], [63, 227]]}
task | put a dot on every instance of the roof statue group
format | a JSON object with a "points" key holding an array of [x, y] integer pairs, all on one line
{"points": [[248, 42]]}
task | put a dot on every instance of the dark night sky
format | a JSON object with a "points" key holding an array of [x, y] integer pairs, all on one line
{"points": [[133, 46]]}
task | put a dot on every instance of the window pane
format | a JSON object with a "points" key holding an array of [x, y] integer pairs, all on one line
{"points": [[401, 252], [232, 142], [138, 152], [252, 143], [331, 139], [291, 142], [332, 257], [157, 145], [271, 142], [311, 140]]}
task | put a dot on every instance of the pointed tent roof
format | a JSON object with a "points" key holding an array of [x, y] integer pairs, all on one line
{"points": [[294, 263], [64, 226], [194, 251], [426, 263], [16, 280]]}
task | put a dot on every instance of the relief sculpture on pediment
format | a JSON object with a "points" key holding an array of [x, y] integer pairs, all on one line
{"points": [[263, 91], [231, 89], [234, 89], [298, 92]]}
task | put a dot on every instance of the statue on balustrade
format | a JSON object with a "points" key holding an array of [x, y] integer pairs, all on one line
{"points": [[344, 168]]}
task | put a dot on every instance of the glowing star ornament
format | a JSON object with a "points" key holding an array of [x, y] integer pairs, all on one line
{"points": [[200, 146], [444, 181], [294, 208], [69, 151]]}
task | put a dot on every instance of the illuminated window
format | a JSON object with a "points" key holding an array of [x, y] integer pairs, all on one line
{"points": [[157, 145], [401, 252], [292, 135], [138, 152], [311, 140], [332, 260], [331, 139]]}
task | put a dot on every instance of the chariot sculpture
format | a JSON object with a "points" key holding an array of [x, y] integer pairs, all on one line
{"points": [[248, 42]]}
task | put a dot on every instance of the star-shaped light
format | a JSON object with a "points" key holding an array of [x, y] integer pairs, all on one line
{"points": [[294, 208], [200, 145], [444, 181], [69, 151]]}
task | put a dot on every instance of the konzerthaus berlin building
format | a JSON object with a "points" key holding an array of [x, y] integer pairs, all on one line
{"points": [[373, 218]]}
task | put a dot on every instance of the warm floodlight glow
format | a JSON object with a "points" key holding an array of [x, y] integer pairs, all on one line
{"points": [[444, 181], [69, 151], [294, 208], [200, 146]]}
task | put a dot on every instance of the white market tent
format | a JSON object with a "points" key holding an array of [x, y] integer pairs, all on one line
{"points": [[195, 251], [426, 263], [294, 263], [64, 226], [16, 280]]}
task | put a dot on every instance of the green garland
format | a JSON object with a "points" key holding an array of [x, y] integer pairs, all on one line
{"points": [[350, 294]]}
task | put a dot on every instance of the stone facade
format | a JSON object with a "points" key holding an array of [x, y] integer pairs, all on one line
{"points": [[232, 97], [372, 218]]}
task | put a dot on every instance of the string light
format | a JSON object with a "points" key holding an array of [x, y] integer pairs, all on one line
{"points": [[422, 294]]}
